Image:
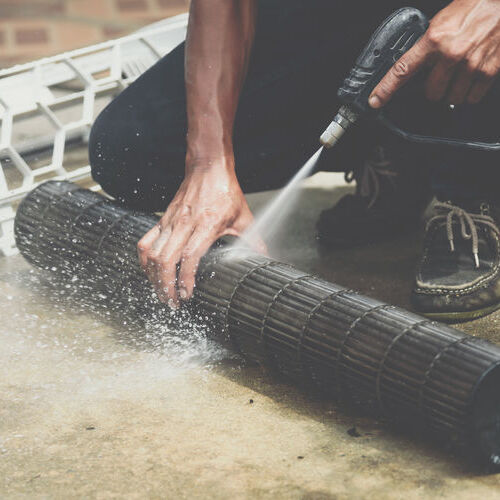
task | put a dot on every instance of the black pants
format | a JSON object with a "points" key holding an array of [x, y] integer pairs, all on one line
{"points": [[302, 51]]}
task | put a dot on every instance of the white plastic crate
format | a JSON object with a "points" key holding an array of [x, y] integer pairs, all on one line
{"points": [[48, 104]]}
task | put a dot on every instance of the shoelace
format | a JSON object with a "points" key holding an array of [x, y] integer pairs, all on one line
{"points": [[468, 225], [373, 169]]}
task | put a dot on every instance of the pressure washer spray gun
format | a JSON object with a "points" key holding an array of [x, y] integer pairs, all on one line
{"points": [[394, 37]]}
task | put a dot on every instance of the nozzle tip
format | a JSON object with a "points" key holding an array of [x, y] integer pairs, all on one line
{"points": [[332, 134]]}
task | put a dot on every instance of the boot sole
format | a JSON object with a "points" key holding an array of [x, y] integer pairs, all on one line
{"points": [[462, 317]]}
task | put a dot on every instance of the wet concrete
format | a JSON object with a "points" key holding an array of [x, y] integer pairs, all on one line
{"points": [[89, 410]]}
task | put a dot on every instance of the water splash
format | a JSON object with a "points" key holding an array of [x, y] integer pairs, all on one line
{"points": [[273, 215], [135, 325]]}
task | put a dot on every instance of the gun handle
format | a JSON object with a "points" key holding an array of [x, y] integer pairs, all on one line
{"points": [[395, 36]]}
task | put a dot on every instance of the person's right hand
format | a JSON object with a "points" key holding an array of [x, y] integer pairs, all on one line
{"points": [[461, 48], [208, 205]]}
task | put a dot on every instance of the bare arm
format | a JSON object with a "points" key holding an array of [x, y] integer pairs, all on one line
{"points": [[218, 45], [209, 203]]}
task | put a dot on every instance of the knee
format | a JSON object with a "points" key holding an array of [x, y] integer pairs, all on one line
{"points": [[102, 171], [113, 164], [103, 150], [128, 165]]}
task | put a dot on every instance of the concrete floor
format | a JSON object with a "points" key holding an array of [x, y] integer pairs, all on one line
{"points": [[89, 410]]}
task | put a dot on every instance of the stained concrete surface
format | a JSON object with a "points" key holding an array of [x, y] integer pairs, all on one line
{"points": [[89, 410]]}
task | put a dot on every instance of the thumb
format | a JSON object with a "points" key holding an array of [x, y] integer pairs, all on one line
{"points": [[251, 239], [258, 244]]}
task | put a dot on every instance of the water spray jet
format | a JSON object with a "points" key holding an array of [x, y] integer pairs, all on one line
{"points": [[274, 213]]}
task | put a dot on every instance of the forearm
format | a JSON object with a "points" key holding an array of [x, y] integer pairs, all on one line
{"points": [[218, 46]]}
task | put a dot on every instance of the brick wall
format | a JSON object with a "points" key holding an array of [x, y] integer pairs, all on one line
{"points": [[30, 29]]}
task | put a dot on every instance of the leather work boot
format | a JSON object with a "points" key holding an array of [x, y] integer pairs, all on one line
{"points": [[391, 196], [459, 275]]}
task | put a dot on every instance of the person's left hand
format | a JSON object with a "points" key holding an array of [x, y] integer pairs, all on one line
{"points": [[462, 50], [208, 205]]}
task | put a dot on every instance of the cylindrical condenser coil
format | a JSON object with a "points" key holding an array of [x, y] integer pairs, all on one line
{"points": [[406, 367]]}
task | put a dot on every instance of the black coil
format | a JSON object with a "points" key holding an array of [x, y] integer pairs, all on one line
{"points": [[400, 364]]}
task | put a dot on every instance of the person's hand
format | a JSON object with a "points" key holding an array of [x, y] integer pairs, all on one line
{"points": [[208, 205], [462, 49]]}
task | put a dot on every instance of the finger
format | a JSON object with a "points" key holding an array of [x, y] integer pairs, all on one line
{"points": [[166, 263], [256, 243], [251, 238], [145, 243], [161, 240], [439, 79], [478, 91], [154, 253], [460, 86], [483, 82], [199, 243], [399, 74], [259, 245]]}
